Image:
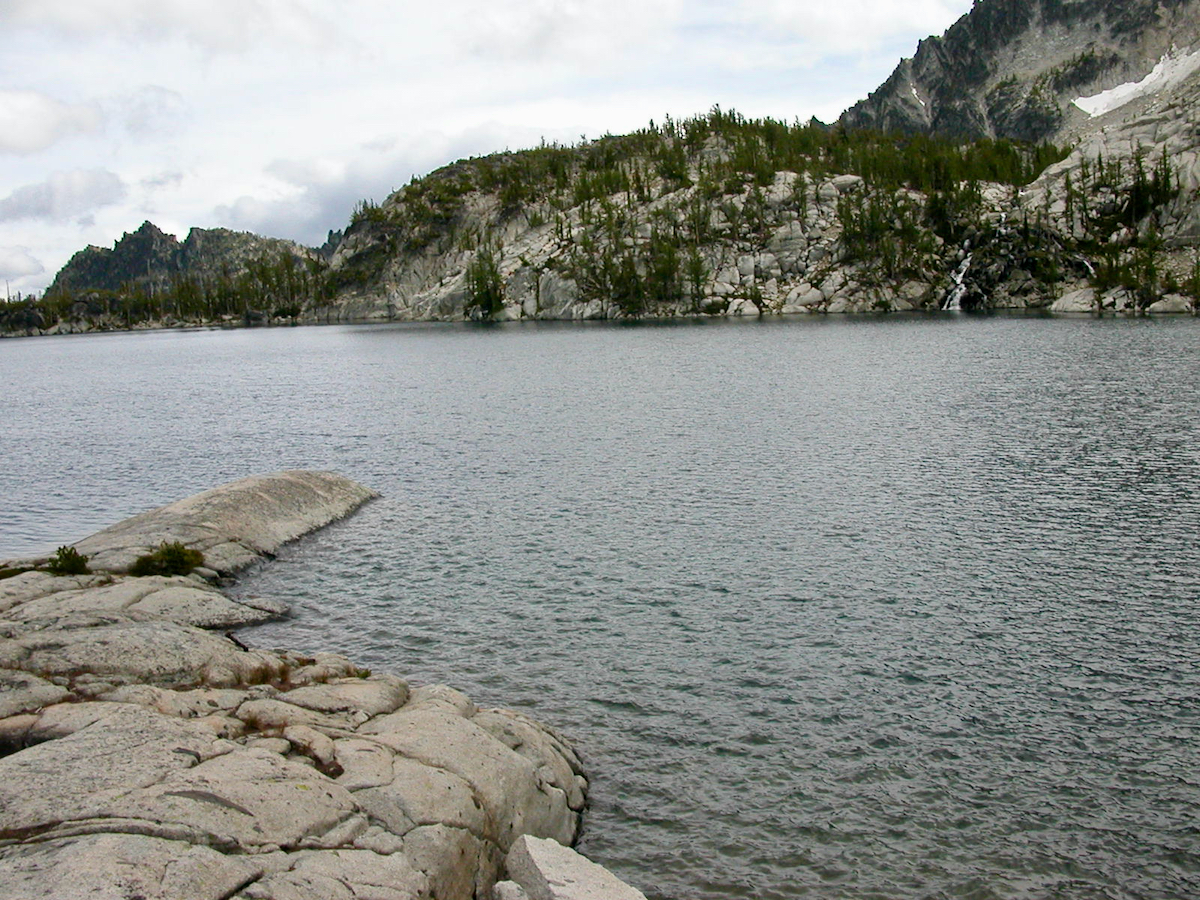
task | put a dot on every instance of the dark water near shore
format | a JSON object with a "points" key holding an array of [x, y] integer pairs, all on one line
{"points": [[866, 608]]}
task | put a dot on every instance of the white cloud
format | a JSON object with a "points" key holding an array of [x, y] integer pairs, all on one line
{"points": [[31, 121], [849, 26], [217, 25], [567, 29], [63, 196], [161, 180], [16, 262], [150, 110], [303, 199]]}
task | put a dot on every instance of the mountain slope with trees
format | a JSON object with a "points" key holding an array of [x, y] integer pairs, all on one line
{"points": [[723, 215]]}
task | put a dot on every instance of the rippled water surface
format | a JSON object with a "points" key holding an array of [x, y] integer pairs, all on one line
{"points": [[878, 608]]}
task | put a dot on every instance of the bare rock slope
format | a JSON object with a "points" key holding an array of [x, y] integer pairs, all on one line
{"points": [[1013, 68], [147, 757]]}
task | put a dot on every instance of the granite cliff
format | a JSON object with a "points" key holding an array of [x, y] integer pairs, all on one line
{"points": [[1013, 68]]}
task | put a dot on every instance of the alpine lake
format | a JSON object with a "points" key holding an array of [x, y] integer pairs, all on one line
{"points": [[878, 607]]}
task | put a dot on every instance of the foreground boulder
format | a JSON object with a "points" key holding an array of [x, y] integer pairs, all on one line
{"points": [[144, 756], [274, 797], [546, 870]]}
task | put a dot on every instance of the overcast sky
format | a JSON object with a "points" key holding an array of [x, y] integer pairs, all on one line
{"points": [[277, 116]]}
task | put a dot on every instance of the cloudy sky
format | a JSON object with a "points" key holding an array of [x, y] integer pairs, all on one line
{"points": [[276, 116]]}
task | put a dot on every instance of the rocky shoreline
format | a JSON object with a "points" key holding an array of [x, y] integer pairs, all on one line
{"points": [[147, 756], [1079, 300]]}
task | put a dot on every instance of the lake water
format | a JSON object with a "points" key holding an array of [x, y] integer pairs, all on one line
{"points": [[837, 608]]}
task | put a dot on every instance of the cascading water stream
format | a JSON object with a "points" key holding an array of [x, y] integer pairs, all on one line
{"points": [[954, 298]]}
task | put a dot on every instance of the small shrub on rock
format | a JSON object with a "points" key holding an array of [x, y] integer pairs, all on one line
{"points": [[168, 559], [67, 561]]}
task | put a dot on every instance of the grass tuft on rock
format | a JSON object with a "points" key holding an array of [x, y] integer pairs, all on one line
{"points": [[67, 561], [169, 559]]}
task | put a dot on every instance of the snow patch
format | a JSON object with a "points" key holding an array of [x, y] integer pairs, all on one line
{"points": [[1171, 69], [915, 94]]}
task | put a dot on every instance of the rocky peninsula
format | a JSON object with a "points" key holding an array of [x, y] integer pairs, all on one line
{"points": [[148, 755]]}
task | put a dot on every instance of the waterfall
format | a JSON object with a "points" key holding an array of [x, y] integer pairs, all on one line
{"points": [[954, 298]]}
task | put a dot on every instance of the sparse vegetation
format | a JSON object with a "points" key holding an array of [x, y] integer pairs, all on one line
{"points": [[485, 287], [691, 174], [169, 559], [1112, 213], [67, 561]]}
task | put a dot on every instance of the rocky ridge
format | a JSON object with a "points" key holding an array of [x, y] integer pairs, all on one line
{"points": [[153, 258], [149, 279], [787, 262], [1013, 68], [806, 254], [146, 756], [831, 230]]}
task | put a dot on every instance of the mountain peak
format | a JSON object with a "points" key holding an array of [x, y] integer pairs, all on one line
{"points": [[1012, 68]]}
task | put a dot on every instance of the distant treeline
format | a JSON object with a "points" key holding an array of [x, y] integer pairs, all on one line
{"points": [[272, 286]]}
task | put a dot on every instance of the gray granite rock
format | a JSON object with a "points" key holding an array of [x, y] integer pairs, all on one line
{"points": [[176, 599], [374, 696], [233, 525], [546, 870], [1080, 301], [75, 777], [131, 648], [243, 801], [344, 875], [121, 866], [505, 783], [508, 890], [148, 757], [364, 764], [28, 586], [418, 794], [21, 692]]}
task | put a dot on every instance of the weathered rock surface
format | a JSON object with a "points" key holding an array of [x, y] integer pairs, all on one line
{"points": [[1012, 68], [120, 866], [546, 870], [146, 757], [185, 599], [233, 525]]}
